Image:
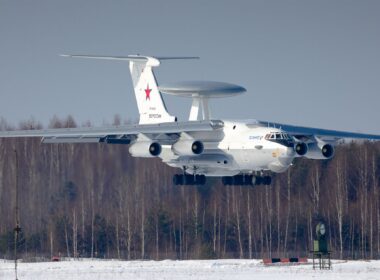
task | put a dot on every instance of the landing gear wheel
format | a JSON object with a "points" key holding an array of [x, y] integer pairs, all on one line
{"points": [[178, 179], [267, 180], [259, 180], [200, 180], [227, 180], [249, 180], [246, 180], [238, 180], [189, 180]]}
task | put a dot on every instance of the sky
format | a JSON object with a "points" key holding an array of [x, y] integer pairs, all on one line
{"points": [[310, 63]]}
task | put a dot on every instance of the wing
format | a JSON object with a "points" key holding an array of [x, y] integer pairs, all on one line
{"points": [[115, 134], [306, 133]]}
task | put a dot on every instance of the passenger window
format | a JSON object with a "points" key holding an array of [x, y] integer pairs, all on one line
{"points": [[272, 136], [278, 136]]}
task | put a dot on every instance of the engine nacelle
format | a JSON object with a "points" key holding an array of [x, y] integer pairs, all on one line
{"points": [[320, 151], [301, 148], [145, 149], [188, 148]]}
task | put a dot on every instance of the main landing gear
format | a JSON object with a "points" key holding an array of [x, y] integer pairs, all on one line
{"points": [[237, 180], [187, 179], [246, 180]]}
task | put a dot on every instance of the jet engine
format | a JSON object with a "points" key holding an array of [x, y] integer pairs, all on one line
{"points": [[188, 148], [145, 149], [301, 148], [320, 150]]}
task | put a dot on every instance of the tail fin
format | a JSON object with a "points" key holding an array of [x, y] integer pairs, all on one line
{"points": [[150, 104], [149, 100]]}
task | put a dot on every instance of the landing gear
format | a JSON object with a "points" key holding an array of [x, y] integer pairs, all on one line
{"points": [[187, 179], [267, 180], [246, 180]]}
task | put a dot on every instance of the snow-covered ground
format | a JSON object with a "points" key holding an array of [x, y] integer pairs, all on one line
{"points": [[179, 270]]}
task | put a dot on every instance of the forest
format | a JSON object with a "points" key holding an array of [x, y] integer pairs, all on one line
{"points": [[95, 200]]}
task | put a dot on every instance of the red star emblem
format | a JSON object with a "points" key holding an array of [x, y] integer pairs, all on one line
{"points": [[147, 92]]}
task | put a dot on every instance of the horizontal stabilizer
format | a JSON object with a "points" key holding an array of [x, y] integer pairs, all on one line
{"points": [[129, 57], [150, 103]]}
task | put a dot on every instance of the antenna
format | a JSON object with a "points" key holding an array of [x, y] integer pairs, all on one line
{"points": [[201, 92]]}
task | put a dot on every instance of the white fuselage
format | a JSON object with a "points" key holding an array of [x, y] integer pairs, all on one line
{"points": [[238, 148]]}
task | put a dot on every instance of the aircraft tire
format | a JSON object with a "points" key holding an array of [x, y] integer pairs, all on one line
{"points": [[227, 180], [178, 179], [267, 180], [238, 180], [200, 180], [249, 180], [189, 180], [259, 180]]}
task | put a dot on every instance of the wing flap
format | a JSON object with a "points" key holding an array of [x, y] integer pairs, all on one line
{"points": [[70, 140]]}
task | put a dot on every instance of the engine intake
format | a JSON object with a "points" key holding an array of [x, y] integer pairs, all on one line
{"points": [[301, 148], [155, 149], [188, 148], [197, 147], [327, 151]]}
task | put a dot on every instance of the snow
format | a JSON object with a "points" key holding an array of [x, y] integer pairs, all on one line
{"points": [[194, 269]]}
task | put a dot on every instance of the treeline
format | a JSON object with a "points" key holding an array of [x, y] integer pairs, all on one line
{"points": [[95, 200]]}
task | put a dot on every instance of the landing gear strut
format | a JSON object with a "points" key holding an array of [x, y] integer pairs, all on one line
{"points": [[246, 180], [187, 179]]}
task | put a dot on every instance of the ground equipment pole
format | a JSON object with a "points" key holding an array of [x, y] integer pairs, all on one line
{"points": [[17, 228]]}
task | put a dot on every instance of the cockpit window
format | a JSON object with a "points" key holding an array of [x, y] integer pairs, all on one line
{"points": [[280, 137]]}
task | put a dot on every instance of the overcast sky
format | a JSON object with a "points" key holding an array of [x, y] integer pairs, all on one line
{"points": [[312, 63]]}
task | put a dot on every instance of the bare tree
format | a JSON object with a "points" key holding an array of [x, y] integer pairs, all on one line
{"points": [[288, 212], [249, 224], [340, 194]]}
